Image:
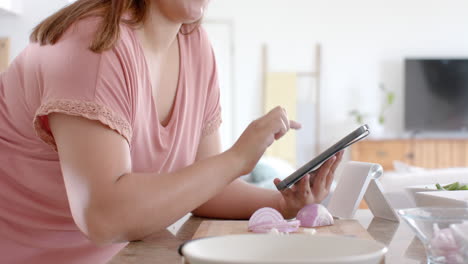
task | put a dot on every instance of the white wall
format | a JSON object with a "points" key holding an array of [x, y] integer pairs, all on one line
{"points": [[19, 27], [364, 43]]}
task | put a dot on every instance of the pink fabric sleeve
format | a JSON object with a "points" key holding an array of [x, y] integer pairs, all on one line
{"points": [[212, 116], [79, 82]]}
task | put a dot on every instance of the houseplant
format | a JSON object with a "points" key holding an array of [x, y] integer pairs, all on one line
{"points": [[376, 122]]}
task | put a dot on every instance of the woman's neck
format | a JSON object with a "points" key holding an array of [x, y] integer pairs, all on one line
{"points": [[158, 33]]}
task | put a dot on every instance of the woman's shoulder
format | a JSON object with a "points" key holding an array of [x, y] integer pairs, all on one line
{"points": [[198, 47], [70, 69], [197, 38], [71, 54], [77, 39]]}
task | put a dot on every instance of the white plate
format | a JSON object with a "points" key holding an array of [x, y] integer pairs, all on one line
{"points": [[442, 199], [411, 190], [291, 249]]}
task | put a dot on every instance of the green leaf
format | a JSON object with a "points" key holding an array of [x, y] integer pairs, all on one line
{"points": [[450, 186], [390, 98], [454, 186], [359, 119], [381, 119], [439, 187]]}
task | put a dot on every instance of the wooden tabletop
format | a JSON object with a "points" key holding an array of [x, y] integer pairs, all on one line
{"points": [[403, 246]]}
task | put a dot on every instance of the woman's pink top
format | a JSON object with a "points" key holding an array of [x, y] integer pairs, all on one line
{"points": [[36, 225]]}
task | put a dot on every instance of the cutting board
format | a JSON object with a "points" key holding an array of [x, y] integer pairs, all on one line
{"points": [[4, 53], [341, 227]]}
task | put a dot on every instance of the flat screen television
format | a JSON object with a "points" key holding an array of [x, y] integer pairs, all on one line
{"points": [[436, 95]]}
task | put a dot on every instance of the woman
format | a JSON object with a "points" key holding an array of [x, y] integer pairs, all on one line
{"points": [[124, 101]]}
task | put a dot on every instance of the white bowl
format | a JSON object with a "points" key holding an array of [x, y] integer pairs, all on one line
{"points": [[411, 190], [441, 199], [421, 188], [461, 232], [291, 249]]}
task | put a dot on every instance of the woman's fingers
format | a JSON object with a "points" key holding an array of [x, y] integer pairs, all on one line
{"points": [[282, 130], [294, 124], [286, 192], [259, 135], [331, 174], [303, 184], [279, 122], [309, 188], [320, 180], [290, 123], [276, 181], [275, 123], [284, 117], [307, 184], [284, 121]]}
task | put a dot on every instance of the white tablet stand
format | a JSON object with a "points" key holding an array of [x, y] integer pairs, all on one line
{"points": [[360, 180]]}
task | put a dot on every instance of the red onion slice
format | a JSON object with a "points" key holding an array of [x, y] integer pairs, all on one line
{"points": [[443, 243], [266, 215], [283, 226], [265, 219], [313, 215]]}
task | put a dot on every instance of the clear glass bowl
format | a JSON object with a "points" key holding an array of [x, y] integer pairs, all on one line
{"points": [[432, 227]]}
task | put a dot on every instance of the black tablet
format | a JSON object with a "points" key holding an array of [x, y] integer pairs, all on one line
{"points": [[314, 164]]}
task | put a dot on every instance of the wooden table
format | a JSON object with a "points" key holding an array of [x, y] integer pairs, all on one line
{"points": [[403, 246]]}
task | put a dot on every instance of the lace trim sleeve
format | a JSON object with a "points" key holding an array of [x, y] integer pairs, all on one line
{"points": [[211, 126], [89, 110]]}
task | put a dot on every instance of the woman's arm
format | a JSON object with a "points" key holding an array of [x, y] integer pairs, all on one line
{"points": [[110, 202], [239, 200]]}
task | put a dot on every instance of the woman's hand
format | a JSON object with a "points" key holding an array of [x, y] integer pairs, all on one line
{"points": [[307, 190], [259, 135]]}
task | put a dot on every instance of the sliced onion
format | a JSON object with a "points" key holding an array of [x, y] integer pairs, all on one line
{"points": [[265, 215], [443, 243], [265, 219], [313, 215], [282, 226]]}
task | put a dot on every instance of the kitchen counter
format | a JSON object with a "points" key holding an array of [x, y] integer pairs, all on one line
{"points": [[403, 246]]}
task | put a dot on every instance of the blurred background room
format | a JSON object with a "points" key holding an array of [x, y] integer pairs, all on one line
{"points": [[400, 66]]}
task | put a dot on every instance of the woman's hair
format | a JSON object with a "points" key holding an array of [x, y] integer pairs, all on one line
{"points": [[52, 28]]}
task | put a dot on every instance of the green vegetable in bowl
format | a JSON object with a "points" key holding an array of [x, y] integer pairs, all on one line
{"points": [[456, 186]]}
